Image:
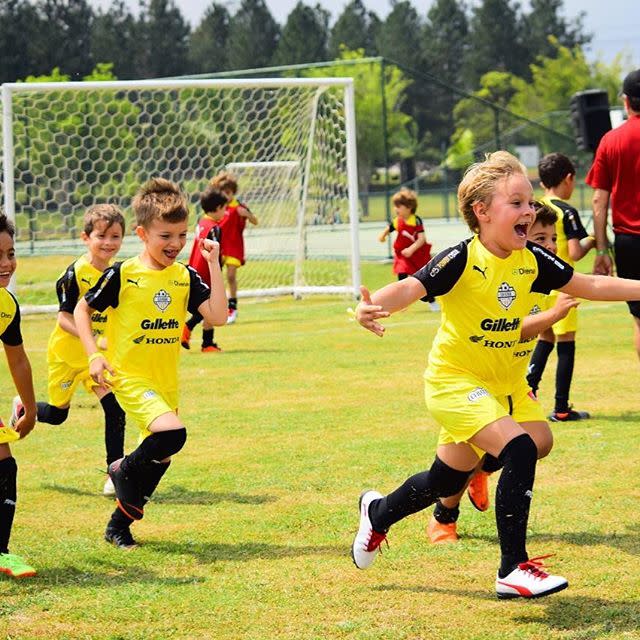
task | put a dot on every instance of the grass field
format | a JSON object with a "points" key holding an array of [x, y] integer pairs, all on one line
{"points": [[249, 534]]}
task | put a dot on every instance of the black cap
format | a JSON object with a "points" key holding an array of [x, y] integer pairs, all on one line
{"points": [[631, 84]]}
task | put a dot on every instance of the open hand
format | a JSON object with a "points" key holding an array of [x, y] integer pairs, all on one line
{"points": [[368, 314]]}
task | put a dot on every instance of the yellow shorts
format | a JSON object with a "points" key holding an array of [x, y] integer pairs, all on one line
{"points": [[143, 402], [7, 434], [63, 380], [229, 261], [569, 323], [462, 406]]}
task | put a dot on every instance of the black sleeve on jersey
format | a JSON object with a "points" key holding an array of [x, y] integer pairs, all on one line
{"points": [[391, 228], [12, 335], [106, 292], [553, 273], [198, 290], [68, 290], [215, 233], [442, 272], [571, 223]]}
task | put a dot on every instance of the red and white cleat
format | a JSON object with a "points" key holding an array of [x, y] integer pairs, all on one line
{"points": [[529, 580]]}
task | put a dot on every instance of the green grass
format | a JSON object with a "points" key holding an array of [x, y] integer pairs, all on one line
{"points": [[250, 531]]}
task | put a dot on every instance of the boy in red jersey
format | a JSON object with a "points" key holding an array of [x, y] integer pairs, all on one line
{"points": [[213, 204], [410, 248], [232, 227]]}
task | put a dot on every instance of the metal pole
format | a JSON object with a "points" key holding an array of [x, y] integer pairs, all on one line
{"points": [[352, 183], [385, 148], [496, 127]]}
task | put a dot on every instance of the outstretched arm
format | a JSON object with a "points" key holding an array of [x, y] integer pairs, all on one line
{"points": [[536, 324], [597, 287], [98, 364], [391, 298], [245, 212]]}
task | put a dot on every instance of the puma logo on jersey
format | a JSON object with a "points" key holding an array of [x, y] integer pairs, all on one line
{"points": [[86, 280], [479, 270], [136, 282]]}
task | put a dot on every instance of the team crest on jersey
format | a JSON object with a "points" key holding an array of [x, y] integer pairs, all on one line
{"points": [[506, 295], [162, 300]]}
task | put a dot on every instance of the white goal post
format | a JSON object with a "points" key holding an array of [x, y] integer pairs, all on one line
{"points": [[291, 143]]}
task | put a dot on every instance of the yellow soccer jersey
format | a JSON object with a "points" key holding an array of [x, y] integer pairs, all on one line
{"points": [[484, 299], [148, 309], [569, 225], [9, 319], [522, 355], [76, 280]]}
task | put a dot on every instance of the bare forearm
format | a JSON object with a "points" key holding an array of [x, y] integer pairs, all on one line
{"points": [[82, 319], [216, 306], [66, 322], [20, 368], [600, 203], [597, 287], [399, 295], [536, 324]]}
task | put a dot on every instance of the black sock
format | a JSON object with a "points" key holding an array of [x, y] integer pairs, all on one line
{"points": [[233, 303], [564, 374], [194, 321], [207, 338], [155, 447], [8, 497], [153, 475], [417, 493], [538, 362], [513, 500], [119, 520], [444, 515], [114, 424], [50, 414], [490, 464]]}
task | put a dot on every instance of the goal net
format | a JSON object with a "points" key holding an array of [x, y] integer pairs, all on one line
{"points": [[290, 143]]}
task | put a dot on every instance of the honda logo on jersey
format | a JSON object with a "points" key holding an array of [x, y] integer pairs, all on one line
{"points": [[162, 300]]}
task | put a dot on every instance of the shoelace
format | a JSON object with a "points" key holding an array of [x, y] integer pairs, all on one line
{"points": [[535, 566], [376, 540]]}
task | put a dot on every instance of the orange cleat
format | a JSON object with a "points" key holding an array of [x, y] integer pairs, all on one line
{"points": [[478, 490], [185, 337], [442, 533], [211, 348]]}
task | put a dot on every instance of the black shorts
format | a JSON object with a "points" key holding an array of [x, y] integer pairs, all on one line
{"points": [[627, 248]]}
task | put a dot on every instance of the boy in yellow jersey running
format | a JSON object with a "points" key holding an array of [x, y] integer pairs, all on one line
{"points": [[148, 297], [472, 390], [558, 177], [102, 234], [442, 527], [20, 370]]}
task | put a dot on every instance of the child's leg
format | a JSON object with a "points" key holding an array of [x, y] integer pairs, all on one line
{"points": [[194, 321], [51, 414], [564, 373], [114, 424], [208, 342], [539, 358], [8, 495], [189, 326], [232, 283]]}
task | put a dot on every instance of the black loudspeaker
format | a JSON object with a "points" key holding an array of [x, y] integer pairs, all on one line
{"points": [[590, 117]]}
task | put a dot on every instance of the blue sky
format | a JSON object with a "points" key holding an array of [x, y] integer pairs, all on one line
{"points": [[615, 23]]}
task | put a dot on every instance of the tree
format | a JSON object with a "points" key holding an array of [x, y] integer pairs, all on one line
{"points": [[209, 41], [495, 41], [304, 36], [544, 21], [400, 36], [65, 36], [19, 32], [113, 39], [254, 36], [355, 28], [443, 52], [163, 36]]}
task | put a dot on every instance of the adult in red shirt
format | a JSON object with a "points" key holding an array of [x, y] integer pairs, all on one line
{"points": [[615, 178]]}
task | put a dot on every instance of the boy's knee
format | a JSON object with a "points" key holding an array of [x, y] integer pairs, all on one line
{"points": [[164, 444], [520, 451], [51, 414], [446, 480]]}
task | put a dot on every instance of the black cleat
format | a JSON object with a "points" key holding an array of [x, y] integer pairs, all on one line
{"points": [[120, 538], [571, 415]]}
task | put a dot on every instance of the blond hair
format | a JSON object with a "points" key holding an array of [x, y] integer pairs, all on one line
{"points": [[108, 213], [479, 182], [224, 181], [160, 199], [406, 198]]}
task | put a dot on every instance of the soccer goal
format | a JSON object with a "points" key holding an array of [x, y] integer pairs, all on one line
{"points": [[290, 142]]}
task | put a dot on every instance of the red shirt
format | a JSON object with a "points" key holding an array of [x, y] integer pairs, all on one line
{"points": [[407, 233], [616, 168], [232, 226], [206, 228]]}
